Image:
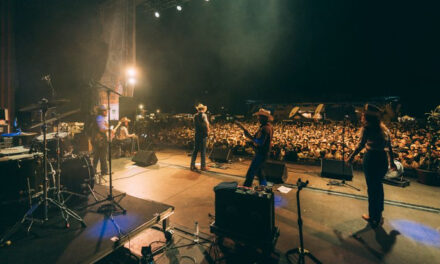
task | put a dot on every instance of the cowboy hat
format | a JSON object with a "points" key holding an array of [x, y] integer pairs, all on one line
{"points": [[125, 119], [264, 112], [372, 110], [201, 107]]}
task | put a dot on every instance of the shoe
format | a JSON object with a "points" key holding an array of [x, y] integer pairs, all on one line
{"points": [[193, 168], [204, 169], [373, 223]]}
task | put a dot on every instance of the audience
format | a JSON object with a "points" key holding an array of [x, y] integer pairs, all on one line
{"points": [[303, 141]]}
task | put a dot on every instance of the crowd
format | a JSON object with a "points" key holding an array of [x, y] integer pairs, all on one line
{"points": [[304, 141]]}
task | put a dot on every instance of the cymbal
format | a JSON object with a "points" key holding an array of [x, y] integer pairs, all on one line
{"points": [[37, 106], [56, 118], [20, 134]]}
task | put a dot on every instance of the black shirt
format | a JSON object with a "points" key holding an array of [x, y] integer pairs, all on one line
{"points": [[263, 139], [200, 123]]}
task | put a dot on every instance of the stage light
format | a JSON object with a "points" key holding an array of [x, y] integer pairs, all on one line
{"points": [[132, 80], [156, 14], [141, 106], [179, 8], [158, 111], [131, 72]]}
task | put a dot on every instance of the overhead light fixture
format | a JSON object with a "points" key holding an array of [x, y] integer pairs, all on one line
{"points": [[132, 81], [179, 8], [131, 72], [156, 14]]}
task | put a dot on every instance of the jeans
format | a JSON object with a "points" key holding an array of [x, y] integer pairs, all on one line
{"points": [[256, 168], [375, 168], [100, 154], [199, 145]]}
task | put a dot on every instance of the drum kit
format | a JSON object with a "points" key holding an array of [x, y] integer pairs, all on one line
{"points": [[41, 174]]}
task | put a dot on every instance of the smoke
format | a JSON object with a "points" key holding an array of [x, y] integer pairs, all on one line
{"points": [[249, 32]]}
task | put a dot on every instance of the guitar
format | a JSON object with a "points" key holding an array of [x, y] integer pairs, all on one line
{"points": [[246, 132], [102, 138], [113, 132]]}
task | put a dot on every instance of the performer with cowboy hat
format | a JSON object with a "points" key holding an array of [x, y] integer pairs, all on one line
{"points": [[201, 125], [262, 141], [124, 137], [376, 138], [99, 140]]}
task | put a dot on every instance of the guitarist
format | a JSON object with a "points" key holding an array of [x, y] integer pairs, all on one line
{"points": [[100, 146], [262, 141]]}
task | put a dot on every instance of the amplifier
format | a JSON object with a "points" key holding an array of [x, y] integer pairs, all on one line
{"points": [[246, 212]]}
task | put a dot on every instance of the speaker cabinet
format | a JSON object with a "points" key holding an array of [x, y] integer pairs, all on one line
{"points": [[336, 169], [245, 212], [221, 154], [275, 171], [145, 158]]}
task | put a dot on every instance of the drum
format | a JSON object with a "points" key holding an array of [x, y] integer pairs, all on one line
{"points": [[16, 172], [51, 141], [77, 173]]}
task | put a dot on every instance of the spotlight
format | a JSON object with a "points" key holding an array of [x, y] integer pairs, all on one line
{"points": [[131, 81], [141, 106], [156, 14], [131, 72], [179, 8]]}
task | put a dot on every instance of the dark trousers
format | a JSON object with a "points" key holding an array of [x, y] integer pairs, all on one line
{"points": [[100, 154], [199, 145], [375, 167], [256, 168]]}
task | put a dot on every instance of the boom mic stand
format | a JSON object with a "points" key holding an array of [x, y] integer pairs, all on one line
{"points": [[301, 251], [112, 203], [343, 183]]}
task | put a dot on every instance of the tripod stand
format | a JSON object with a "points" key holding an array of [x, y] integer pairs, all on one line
{"points": [[112, 204], [28, 216], [301, 251]]}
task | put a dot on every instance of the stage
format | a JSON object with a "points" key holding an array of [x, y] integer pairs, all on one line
{"points": [[53, 243], [333, 228]]}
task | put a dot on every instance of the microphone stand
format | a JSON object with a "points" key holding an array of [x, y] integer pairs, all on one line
{"points": [[343, 183], [112, 203], [301, 251]]}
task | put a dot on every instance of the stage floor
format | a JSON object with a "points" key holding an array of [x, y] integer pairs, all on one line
{"points": [[333, 228], [53, 243]]}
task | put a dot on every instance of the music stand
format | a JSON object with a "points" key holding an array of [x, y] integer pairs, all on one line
{"points": [[112, 203]]}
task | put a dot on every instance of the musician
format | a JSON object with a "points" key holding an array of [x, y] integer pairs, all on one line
{"points": [[201, 125], [100, 141], [375, 137], [262, 141], [124, 137]]}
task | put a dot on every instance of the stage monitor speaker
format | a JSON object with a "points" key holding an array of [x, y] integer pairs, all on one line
{"points": [[245, 212], [275, 171], [336, 169], [145, 158], [221, 154]]}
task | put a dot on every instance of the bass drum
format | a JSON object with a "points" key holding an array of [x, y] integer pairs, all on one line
{"points": [[77, 173]]}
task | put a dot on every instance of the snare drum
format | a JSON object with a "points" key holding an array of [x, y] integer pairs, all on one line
{"points": [[77, 173]]}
